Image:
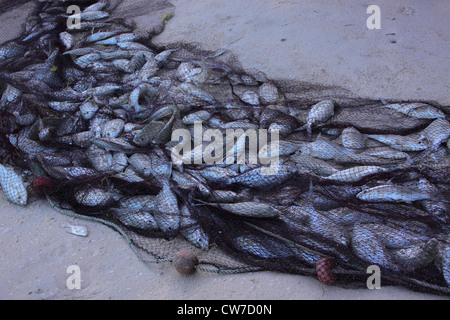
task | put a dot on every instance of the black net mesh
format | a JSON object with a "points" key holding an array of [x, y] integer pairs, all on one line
{"points": [[89, 114]]}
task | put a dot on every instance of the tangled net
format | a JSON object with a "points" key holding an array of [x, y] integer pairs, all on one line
{"points": [[88, 116]]}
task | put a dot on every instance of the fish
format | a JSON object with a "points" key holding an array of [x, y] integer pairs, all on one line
{"points": [[417, 110], [355, 174], [319, 113], [93, 15], [130, 45], [192, 231], [139, 203], [167, 213], [262, 248], [115, 144], [392, 193], [95, 37], [196, 92], [387, 153], [399, 142], [28, 146], [112, 128], [416, 256], [250, 97], [324, 149], [13, 186], [116, 39], [367, 159], [88, 110], [325, 227], [99, 6], [313, 165], [352, 138], [214, 174], [67, 39], [436, 133], [368, 247], [95, 197], [394, 237], [198, 116], [255, 178], [135, 219], [85, 60], [443, 261], [100, 159], [268, 93], [249, 209], [119, 162]]}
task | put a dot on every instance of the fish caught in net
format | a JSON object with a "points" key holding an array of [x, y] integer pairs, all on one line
{"points": [[182, 149]]}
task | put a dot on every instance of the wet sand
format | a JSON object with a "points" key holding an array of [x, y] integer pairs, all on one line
{"points": [[323, 43]]}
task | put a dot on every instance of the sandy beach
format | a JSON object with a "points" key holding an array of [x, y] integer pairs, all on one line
{"points": [[318, 42]]}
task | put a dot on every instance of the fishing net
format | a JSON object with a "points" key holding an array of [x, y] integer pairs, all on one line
{"points": [[88, 117]]}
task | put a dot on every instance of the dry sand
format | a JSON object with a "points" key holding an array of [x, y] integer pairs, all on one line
{"points": [[325, 42]]}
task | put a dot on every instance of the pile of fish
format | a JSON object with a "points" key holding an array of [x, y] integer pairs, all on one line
{"points": [[89, 114]]}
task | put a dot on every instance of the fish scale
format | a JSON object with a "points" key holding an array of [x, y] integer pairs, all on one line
{"points": [[392, 193], [13, 186], [355, 174], [436, 133]]}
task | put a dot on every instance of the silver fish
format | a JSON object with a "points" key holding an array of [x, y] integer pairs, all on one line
{"points": [[311, 164], [256, 179], [436, 133], [13, 186], [139, 203], [168, 212], [100, 159], [352, 138], [320, 112], [115, 144], [416, 256], [67, 39], [368, 247], [443, 261], [250, 209], [112, 128], [214, 174], [119, 162], [115, 39], [27, 145], [194, 91], [396, 237], [268, 93], [99, 6], [324, 149], [192, 231], [392, 193], [262, 248], [365, 159], [355, 174], [93, 15], [100, 36], [88, 110], [128, 45], [94, 197], [201, 116], [387, 153], [135, 219], [87, 59], [325, 227], [417, 110], [400, 143], [250, 97]]}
